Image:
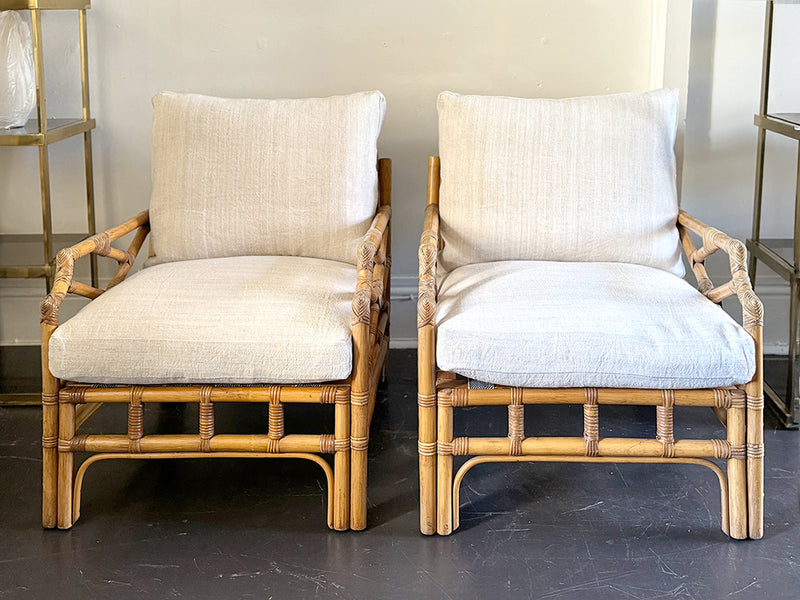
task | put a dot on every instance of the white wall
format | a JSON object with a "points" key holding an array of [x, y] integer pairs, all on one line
{"points": [[410, 50]]}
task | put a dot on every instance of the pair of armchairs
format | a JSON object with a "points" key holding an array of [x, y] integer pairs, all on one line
{"points": [[550, 273]]}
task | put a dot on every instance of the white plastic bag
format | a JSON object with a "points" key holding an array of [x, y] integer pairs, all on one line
{"points": [[17, 76]]}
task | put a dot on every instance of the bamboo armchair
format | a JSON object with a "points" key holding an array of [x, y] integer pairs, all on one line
{"points": [[68, 404], [739, 407]]}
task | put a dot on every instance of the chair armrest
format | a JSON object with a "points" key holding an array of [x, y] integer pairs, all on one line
{"points": [[371, 251], [739, 285], [429, 245], [99, 244]]}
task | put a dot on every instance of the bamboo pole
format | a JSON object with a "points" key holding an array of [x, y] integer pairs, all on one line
{"points": [[360, 381], [426, 355], [444, 463], [50, 428], [501, 396], [66, 431], [755, 437], [575, 446], [341, 464], [193, 393]]}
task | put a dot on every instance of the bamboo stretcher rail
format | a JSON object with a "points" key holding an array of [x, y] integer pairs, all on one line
{"points": [[575, 446], [322, 444], [325, 394], [81, 289], [79, 476], [500, 396]]}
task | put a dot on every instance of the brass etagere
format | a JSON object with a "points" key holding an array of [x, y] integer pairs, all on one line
{"points": [[41, 132], [780, 255]]}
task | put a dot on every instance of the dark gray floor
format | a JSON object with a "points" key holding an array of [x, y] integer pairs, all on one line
{"points": [[228, 529]]}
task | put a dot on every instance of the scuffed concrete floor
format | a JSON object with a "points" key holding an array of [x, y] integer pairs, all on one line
{"points": [[256, 528]]}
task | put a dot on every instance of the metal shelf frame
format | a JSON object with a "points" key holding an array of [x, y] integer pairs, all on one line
{"points": [[40, 133], [766, 251]]}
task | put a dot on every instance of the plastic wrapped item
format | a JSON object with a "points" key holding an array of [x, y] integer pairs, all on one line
{"points": [[17, 75]]}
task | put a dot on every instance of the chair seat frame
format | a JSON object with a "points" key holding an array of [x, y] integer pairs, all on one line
{"points": [[67, 405], [739, 408]]}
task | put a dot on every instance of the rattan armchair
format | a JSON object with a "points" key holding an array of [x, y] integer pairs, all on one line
{"points": [[532, 268], [267, 282]]}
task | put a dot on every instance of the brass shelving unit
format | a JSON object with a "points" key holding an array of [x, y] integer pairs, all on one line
{"points": [[780, 255], [43, 131]]}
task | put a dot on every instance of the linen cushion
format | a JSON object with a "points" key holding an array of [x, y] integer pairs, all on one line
{"points": [[251, 319], [263, 177], [580, 179], [550, 324]]}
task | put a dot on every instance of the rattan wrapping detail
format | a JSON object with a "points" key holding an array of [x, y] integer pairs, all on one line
{"points": [[206, 424], [738, 452], [359, 443], [426, 400], [460, 396], [722, 448], [591, 423], [755, 402], [664, 424], [755, 450], [135, 419], [426, 448]]}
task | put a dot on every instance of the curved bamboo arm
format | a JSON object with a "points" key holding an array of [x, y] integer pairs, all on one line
{"points": [[372, 253], [429, 244], [99, 244], [739, 285]]}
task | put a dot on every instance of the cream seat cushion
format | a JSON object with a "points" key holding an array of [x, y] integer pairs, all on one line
{"points": [[250, 319], [551, 324], [236, 177], [579, 179]]}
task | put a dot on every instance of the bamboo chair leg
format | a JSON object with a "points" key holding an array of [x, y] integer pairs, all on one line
{"points": [[49, 437], [66, 429], [358, 456], [49, 460], [427, 466], [426, 399], [444, 464], [737, 475], [341, 465], [755, 466]]}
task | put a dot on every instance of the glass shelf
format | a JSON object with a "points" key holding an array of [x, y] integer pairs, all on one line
{"points": [[45, 4], [57, 129]]}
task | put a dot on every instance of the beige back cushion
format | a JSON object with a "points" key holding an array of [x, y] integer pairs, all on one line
{"points": [[580, 179], [263, 177]]}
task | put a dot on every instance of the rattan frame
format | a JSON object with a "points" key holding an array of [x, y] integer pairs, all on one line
{"points": [[739, 408], [66, 405]]}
